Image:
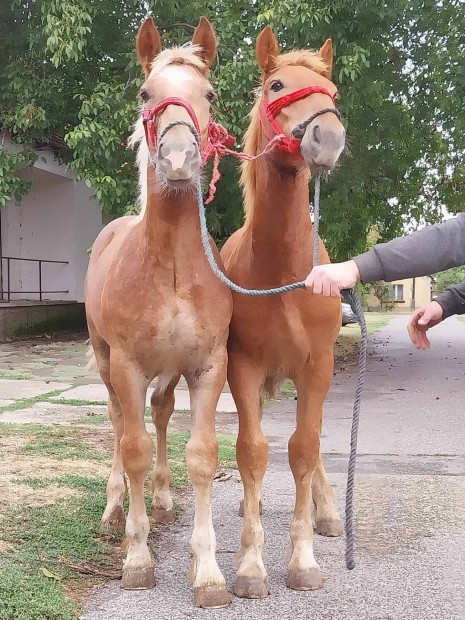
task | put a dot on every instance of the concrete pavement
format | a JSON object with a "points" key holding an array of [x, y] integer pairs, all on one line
{"points": [[410, 501]]}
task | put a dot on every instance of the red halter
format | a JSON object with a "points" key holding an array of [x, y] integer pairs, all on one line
{"points": [[218, 140], [269, 111]]}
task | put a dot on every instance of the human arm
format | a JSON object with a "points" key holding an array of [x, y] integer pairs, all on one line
{"points": [[434, 248]]}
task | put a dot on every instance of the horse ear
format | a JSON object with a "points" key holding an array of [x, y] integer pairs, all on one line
{"points": [[326, 52], [267, 49], [148, 44], [205, 37]]}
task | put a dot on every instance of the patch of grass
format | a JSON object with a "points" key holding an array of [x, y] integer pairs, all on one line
{"points": [[461, 318], [6, 373], [67, 532], [24, 403], [95, 419], [63, 448], [29, 595], [288, 388], [227, 452], [349, 336], [79, 403]]}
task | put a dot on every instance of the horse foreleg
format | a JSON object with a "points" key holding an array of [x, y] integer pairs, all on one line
{"points": [[328, 521], [304, 450], [245, 381], [137, 454], [162, 409], [202, 460]]}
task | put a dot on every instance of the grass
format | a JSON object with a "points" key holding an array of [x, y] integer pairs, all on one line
{"points": [[24, 403], [78, 403], [461, 318], [40, 543], [27, 594]]}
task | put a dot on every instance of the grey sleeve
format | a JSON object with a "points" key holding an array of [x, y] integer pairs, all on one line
{"points": [[432, 249], [452, 300]]}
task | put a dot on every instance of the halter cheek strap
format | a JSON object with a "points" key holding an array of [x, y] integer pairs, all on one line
{"points": [[270, 110]]}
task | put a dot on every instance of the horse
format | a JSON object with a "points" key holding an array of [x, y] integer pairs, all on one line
{"points": [[155, 310], [288, 335]]}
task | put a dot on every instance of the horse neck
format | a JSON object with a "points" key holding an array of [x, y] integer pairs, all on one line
{"points": [[170, 222], [280, 219]]}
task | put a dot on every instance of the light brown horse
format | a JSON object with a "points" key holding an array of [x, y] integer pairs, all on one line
{"points": [[289, 335], [155, 309]]}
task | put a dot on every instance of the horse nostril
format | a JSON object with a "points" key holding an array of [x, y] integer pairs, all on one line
{"points": [[298, 132], [316, 134]]}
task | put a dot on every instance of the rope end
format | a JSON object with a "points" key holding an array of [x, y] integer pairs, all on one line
{"points": [[350, 564]]}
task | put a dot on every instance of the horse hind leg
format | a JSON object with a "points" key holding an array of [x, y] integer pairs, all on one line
{"points": [[162, 404], [113, 519], [328, 521]]}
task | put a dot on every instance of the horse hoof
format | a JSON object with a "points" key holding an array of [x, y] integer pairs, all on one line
{"points": [[211, 597], [138, 578], [304, 580], [251, 587], [332, 528], [241, 508], [115, 523], [167, 517]]}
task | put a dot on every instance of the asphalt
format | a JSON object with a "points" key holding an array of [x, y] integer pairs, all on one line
{"points": [[410, 501]]}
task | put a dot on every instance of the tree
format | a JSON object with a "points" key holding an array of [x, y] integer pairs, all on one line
{"points": [[68, 69], [446, 278]]}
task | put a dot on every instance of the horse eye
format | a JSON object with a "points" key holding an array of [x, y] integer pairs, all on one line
{"points": [[144, 96], [276, 86], [210, 96]]}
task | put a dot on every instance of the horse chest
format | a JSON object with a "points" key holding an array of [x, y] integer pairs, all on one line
{"points": [[176, 335]]}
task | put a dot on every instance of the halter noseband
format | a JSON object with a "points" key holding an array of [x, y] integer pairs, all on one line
{"points": [[270, 110], [148, 118]]}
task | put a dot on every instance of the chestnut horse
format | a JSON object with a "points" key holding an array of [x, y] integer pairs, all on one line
{"points": [[155, 309], [289, 335]]}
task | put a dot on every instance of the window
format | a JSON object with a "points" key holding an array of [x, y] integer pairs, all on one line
{"points": [[398, 292]]}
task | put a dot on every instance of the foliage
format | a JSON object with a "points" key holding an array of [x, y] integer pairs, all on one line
{"points": [[68, 67], [383, 292], [449, 277]]}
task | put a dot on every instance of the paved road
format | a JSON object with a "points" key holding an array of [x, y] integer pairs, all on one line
{"points": [[410, 501]]}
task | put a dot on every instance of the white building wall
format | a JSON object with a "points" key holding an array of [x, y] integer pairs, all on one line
{"points": [[56, 220]]}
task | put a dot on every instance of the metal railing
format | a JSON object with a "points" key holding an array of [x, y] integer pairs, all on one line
{"points": [[40, 262]]}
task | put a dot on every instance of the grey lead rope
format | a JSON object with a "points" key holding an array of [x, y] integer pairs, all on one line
{"points": [[356, 308]]}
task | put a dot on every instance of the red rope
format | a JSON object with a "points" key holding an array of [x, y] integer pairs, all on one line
{"points": [[218, 144]]}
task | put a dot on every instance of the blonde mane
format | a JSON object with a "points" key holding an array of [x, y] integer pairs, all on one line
{"points": [[303, 58], [188, 55]]}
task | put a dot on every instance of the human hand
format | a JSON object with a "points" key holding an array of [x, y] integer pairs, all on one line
{"points": [[421, 320], [330, 279]]}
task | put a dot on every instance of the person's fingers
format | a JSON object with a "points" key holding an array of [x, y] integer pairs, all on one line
{"points": [[423, 340], [335, 291], [318, 284], [412, 332], [309, 281], [327, 287]]}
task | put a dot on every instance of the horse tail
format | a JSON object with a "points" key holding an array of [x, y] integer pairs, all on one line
{"points": [[91, 359]]}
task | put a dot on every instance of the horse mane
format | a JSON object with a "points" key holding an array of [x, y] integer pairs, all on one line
{"points": [[188, 55], [303, 58]]}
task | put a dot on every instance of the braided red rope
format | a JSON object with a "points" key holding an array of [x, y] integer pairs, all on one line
{"points": [[218, 144]]}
